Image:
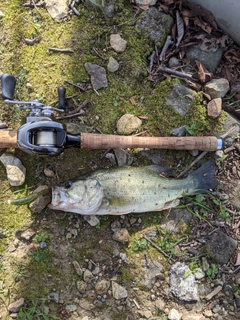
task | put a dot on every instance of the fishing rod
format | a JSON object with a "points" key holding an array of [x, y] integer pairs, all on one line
{"points": [[41, 134]]}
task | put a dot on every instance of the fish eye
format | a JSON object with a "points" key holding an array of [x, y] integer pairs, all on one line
{"points": [[68, 184]]}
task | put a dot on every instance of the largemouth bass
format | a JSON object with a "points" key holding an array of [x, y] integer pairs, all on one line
{"points": [[132, 189]]}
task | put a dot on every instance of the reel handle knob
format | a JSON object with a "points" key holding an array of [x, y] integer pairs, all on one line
{"points": [[8, 82], [61, 98]]}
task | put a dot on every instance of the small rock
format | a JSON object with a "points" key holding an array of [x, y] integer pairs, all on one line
{"points": [[121, 235], [179, 132], [147, 314], [86, 304], [208, 313], [42, 201], [82, 286], [118, 43], [174, 62], [16, 172], [115, 225], [160, 304], [48, 173], [77, 268], [113, 65], [91, 219], [109, 10], [71, 307], [87, 275], [214, 108], [77, 128], [27, 234], [123, 158], [174, 315], [54, 296], [199, 274], [217, 88], [128, 123], [16, 305], [118, 291], [102, 286], [205, 264], [98, 75], [193, 316]]}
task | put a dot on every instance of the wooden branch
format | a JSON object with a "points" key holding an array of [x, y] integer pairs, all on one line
{"points": [[61, 50]]}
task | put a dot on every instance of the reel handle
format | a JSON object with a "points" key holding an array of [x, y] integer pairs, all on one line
{"points": [[8, 82], [61, 97]]}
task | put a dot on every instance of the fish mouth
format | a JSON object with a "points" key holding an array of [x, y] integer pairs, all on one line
{"points": [[58, 198]]}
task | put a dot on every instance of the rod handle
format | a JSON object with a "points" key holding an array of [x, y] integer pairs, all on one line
{"points": [[105, 141], [8, 139]]}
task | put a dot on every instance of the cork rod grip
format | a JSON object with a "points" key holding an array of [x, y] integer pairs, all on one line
{"points": [[104, 141], [8, 139]]}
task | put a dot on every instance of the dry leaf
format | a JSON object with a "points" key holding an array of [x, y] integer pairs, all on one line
{"points": [[132, 100], [180, 28], [203, 73], [237, 263]]}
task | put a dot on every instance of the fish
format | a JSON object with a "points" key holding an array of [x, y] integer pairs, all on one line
{"points": [[124, 190]]}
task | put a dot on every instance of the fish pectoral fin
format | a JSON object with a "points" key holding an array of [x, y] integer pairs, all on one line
{"points": [[171, 204], [105, 203]]}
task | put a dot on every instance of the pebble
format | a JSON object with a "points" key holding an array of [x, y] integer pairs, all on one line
{"points": [[16, 305], [128, 124], [48, 173], [102, 286], [54, 296], [113, 65], [118, 43], [87, 275], [214, 108], [118, 291], [81, 286], [174, 315], [121, 235], [217, 88]]}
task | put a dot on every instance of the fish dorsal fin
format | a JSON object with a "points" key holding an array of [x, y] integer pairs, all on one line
{"points": [[160, 170]]}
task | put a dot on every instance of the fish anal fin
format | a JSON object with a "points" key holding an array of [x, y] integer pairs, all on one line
{"points": [[171, 204]]}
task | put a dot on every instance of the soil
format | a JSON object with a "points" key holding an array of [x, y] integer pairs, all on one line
{"points": [[63, 267]]}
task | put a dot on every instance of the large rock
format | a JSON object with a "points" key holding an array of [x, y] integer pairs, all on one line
{"points": [[209, 59], [184, 288], [220, 247], [154, 24], [179, 99]]}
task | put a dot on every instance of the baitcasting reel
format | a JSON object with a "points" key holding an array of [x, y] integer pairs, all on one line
{"points": [[40, 133]]}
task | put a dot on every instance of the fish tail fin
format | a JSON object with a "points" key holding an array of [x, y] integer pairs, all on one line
{"points": [[204, 177]]}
